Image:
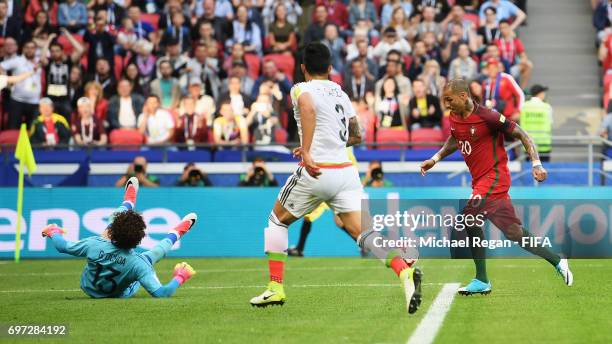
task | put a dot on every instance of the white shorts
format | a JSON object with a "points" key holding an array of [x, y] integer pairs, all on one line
{"points": [[340, 188]]}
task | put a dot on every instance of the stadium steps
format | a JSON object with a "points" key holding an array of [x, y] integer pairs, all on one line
{"points": [[560, 40]]}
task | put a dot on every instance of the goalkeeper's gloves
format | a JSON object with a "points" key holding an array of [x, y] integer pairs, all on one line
{"points": [[182, 272], [52, 229]]}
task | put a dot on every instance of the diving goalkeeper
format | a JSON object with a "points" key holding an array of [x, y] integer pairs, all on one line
{"points": [[113, 268]]}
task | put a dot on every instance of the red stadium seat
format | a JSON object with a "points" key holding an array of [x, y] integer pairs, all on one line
{"points": [[284, 63], [253, 65], [337, 78], [65, 43], [473, 18], [9, 137], [392, 135], [126, 137], [280, 135], [118, 64], [607, 81], [151, 18], [427, 135]]}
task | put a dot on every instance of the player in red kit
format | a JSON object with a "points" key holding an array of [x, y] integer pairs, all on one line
{"points": [[478, 133]]}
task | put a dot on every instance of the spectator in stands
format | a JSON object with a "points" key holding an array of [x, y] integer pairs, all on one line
{"points": [[179, 32], [191, 127], [101, 42], [143, 29], [204, 69], [39, 30], [236, 55], [389, 11], [258, 175], [390, 41], [145, 61], [506, 10], [363, 54], [434, 81], [99, 105], [457, 17], [72, 15], [104, 76], [492, 51], [424, 109], [399, 21], [512, 50], [394, 70], [124, 108], [419, 58], [155, 123], [86, 128], [126, 37], [239, 70], [115, 12], [271, 73], [210, 28], [205, 104], [75, 89], [359, 35], [363, 10], [138, 169], [451, 45], [476, 91], [262, 120], [429, 24], [501, 92], [375, 177], [433, 48], [537, 120], [57, 71], [25, 95], [245, 31], [281, 37], [132, 74], [358, 85], [412, 31], [193, 176], [241, 103], [229, 128], [179, 62], [367, 118], [336, 12], [440, 7], [166, 88], [49, 128], [10, 26], [390, 107], [463, 66], [292, 9], [336, 45], [605, 129], [41, 6], [316, 30], [489, 32]]}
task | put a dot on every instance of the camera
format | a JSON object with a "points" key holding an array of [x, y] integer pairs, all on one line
{"points": [[377, 174], [194, 174], [138, 168]]}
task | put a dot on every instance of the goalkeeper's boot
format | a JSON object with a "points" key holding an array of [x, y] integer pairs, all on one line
{"points": [[475, 287], [274, 295], [185, 225], [565, 272], [411, 282], [131, 191]]}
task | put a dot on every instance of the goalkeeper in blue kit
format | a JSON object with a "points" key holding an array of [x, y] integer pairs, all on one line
{"points": [[113, 268]]}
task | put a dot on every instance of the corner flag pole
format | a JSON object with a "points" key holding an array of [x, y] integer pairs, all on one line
{"points": [[19, 211]]}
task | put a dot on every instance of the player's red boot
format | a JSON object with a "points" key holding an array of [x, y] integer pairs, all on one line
{"points": [[131, 191], [188, 221]]}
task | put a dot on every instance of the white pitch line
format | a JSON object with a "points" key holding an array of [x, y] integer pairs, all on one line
{"points": [[429, 326], [336, 285]]}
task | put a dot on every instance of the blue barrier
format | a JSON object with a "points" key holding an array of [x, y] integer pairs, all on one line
{"points": [[231, 220]]}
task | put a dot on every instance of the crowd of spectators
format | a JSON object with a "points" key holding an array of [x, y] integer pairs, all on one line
{"points": [[602, 18], [220, 71]]}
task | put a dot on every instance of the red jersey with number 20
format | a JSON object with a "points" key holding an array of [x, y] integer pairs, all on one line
{"points": [[480, 139]]}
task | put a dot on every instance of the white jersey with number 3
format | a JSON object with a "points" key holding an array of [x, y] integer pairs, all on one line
{"points": [[333, 109]]}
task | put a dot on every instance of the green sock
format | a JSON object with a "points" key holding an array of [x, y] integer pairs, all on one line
{"points": [[543, 252], [478, 254]]}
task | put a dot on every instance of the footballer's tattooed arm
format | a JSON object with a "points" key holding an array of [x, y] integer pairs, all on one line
{"points": [[354, 132], [539, 172]]}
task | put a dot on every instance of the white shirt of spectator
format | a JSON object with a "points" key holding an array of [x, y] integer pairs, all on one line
{"points": [[3, 81], [127, 117], [382, 48], [159, 126], [333, 109], [237, 104], [28, 90]]}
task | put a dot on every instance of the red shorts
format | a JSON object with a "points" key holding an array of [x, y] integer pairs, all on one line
{"points": [[492, 201]]}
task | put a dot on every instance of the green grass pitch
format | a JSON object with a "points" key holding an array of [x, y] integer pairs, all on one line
{"points": [[329, 300]]}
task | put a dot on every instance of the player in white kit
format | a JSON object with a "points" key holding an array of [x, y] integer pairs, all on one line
{"points": [[327, 124]]}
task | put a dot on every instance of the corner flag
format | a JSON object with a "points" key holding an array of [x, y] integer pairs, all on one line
{"points": [[25, 155]]}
